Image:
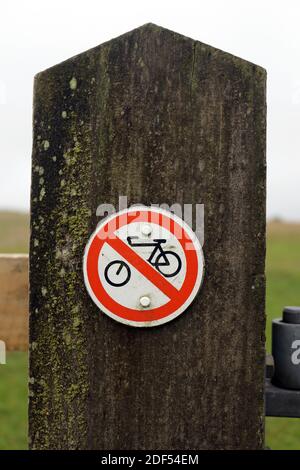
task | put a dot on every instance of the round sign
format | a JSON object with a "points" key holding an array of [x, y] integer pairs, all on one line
{"points": [[143, 266]]}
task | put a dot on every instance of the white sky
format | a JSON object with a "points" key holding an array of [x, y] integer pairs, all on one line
{"points": [[35, 34]]}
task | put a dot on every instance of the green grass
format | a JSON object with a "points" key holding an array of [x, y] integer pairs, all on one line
{"points": [[282, 271], [283, 288], [14, 238], [13, 402], [14, 232]]}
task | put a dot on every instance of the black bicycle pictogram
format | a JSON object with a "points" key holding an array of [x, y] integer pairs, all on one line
{"points": [[159, 259]]}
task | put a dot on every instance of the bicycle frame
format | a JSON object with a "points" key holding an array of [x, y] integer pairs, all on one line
{"points": [[158, 248]]}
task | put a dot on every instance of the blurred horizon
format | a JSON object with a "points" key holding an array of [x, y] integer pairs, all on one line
{"points": [[270, 220]]}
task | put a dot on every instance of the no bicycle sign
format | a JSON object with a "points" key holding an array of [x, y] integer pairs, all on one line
{"points": [[143, 266]]}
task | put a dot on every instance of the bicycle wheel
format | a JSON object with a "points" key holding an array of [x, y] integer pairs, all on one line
{"points": [[165, 270], [115, 275]]}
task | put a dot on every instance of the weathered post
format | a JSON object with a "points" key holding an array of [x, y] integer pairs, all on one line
{"points": [[160, 118]]}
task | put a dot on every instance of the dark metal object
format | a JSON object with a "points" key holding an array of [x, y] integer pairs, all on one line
{"points": [[286, 349], [281, 402], [291, 315], [282, 388]]}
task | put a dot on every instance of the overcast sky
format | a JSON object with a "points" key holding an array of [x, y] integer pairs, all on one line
{"points": [[35, 34]]}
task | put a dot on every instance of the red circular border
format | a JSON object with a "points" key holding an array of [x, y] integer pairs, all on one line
{"points": [[101, 236]]}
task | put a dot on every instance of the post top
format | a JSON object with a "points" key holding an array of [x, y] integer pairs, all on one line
{"points": [[151, 31], [291, 315]]}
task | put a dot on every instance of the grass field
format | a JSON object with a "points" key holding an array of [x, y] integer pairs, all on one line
{"points": [[13, 402], [283, 288], [14, 232]]}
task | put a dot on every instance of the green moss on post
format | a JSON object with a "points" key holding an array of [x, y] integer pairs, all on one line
{"points": [[160, 118]]}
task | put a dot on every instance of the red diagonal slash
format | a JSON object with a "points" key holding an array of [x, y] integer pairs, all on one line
{"points": [[143, 267]]}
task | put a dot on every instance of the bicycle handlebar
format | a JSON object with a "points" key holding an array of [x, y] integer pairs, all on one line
{"points": [[156, 241]]}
